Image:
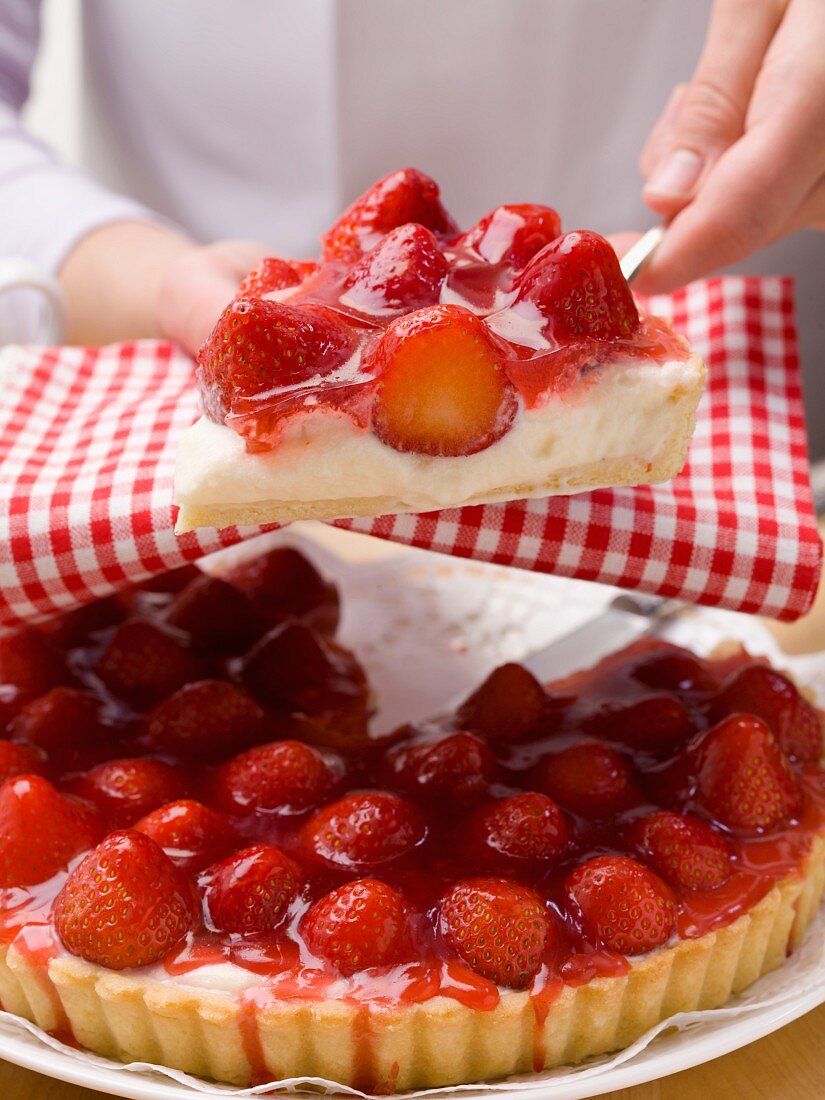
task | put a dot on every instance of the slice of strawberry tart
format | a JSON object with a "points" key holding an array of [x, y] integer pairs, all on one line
{"points": [[417, 367]]}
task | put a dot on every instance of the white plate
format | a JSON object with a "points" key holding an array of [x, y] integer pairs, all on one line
{"points": [[426, 628]]}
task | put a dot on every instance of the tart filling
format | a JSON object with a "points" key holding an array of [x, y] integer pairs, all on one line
{"points": [[198, 835], [418, 367]]}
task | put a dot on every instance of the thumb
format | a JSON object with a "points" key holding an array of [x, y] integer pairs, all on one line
{"points": [[711, 109]]}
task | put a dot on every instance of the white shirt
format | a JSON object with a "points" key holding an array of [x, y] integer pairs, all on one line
{"points": [[263, 118]]}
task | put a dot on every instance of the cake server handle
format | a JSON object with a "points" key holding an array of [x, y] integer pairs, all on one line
{"points": [[636, 257]]}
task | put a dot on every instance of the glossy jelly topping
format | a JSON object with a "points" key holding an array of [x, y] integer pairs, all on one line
{"points": [[196, 797], [429, 337]]}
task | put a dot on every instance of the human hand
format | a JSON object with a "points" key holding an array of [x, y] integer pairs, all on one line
{"points": [[737, 157], [198, 285]]}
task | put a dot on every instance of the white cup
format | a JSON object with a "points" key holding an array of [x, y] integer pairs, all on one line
{"points": [[20, 274]]}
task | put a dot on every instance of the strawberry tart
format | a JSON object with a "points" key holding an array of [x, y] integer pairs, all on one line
{"points": [[417, 367], [206, 863]]}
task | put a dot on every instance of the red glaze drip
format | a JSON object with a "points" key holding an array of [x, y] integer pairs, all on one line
{"points": [[248, 1010], [37, 944]]}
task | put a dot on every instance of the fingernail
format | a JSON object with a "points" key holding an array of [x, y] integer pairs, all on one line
{"points": [[678, 175]]}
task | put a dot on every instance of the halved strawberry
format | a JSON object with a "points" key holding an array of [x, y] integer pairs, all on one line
{"points": [[143, 664], [284, 584], [405, 195], [206, 719], [526, 828], [216, 616], [458, 768], [191, 834], [441, 387], [512, 234], [499, 928], [29, 666], [760, 690], [18, 759], [272, 274], [250, 891], [576, 285], [294, 669], [686, 851], [258, 348], [283, 776], [65, 724], [508, 706], [364, 830], [623, 905], [360, 925], [743, 778], [127, 789], [403, 271], [125, 905], [41, 830], [653, 723], [589, 778]]}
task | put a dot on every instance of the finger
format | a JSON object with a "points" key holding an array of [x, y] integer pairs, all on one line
{"points": [[711, 111], [745, 203], [811, 214], [658, 136], [622, 242]]}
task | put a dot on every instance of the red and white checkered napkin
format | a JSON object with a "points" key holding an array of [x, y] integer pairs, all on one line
{"points": [[88, 444]]}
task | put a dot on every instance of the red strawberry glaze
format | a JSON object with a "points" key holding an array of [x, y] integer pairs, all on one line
{"points": [[279, 963], [435, 267]]}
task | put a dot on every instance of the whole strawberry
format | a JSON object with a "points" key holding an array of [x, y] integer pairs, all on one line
{"points": [[125, 905], [576, 286], [205, 720], [499, 928], [216, 616], [743, 778], [142, 664], [19, 760], [653, 723], [281, 777], [364, 830], [259, 347], [686, 851], [251, 890], [126, 789], [284, 584], [526, 828], [508, 706], [404, 271], [459, 768], [512, 234], [29, 666], [589, 778], [621, 904], [406, 195], [760, 690], [191, 834], [360, 925], [41, 830], [64, 724], [271, 274]]}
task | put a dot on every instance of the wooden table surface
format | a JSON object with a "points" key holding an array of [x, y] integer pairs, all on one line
{"points": [[788, 1065]]}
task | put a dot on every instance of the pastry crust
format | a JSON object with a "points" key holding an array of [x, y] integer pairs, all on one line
{"points": [[631, 468], [439, 1042]]}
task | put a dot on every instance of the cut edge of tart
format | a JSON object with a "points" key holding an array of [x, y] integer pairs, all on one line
{"points": [[416, 368], [630, 427], [439, 1042]]}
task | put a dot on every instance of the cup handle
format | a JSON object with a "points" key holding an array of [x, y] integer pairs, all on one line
{"points": [[20, 274]]}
